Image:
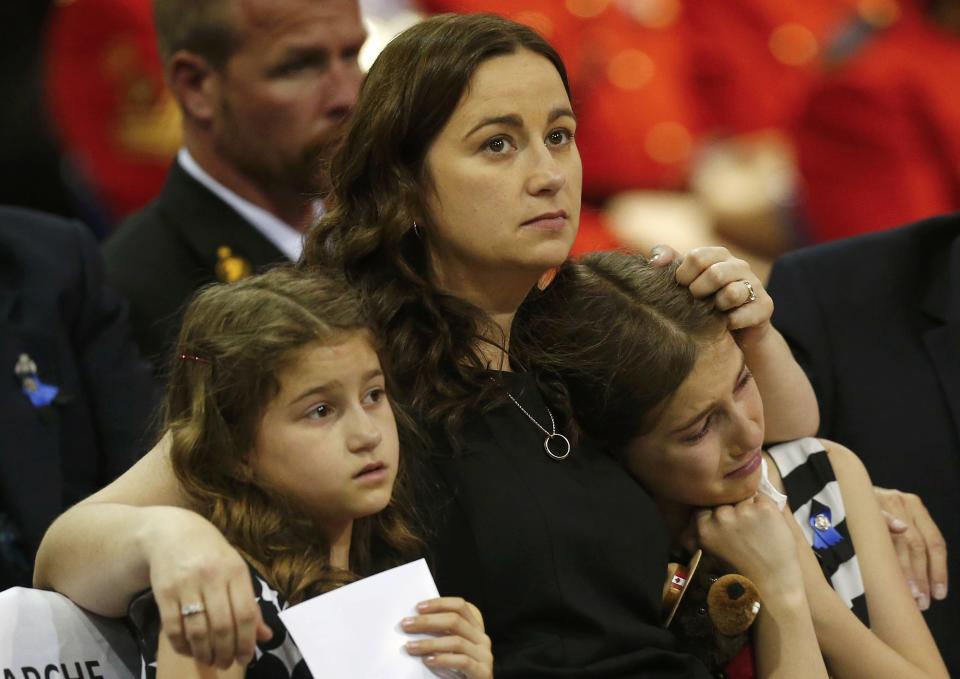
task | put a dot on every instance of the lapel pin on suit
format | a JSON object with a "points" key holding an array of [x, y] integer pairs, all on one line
{"points": [[40, 394], [230, 267]]}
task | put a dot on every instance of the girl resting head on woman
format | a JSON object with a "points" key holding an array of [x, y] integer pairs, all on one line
{"points": [[283, 437], [656, 376]]}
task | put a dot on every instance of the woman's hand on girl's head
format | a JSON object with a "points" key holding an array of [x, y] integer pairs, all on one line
{"points": [[460, 642], [790, 405], [754, 538], [193, 566], [736, 289], [662, 255]]}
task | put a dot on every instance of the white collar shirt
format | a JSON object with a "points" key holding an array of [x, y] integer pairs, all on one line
{"points": [[286, 238]]}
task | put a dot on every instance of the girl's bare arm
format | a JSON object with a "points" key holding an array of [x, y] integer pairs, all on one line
{"points": [[755, 538], [898, 643], [172, 665], [790, 404], [138, 533]]}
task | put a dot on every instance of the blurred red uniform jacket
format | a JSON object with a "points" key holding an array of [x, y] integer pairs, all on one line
{"points": [[117, 122], [879, 144], [755, 61]]}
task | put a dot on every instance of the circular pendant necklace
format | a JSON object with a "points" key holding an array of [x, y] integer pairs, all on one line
{"points": [[559, 441]]}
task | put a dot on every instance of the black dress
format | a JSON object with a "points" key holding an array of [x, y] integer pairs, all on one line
{"points": [[566, 560]]}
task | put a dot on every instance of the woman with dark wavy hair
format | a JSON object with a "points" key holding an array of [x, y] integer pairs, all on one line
{"points": [[456, 188]]}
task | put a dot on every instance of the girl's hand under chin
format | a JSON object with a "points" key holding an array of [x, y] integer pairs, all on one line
{"points": [[752, 536], [460, 643]]}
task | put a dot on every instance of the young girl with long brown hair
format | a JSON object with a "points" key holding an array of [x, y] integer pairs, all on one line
{"points": [[661, 381], [284, 439]]}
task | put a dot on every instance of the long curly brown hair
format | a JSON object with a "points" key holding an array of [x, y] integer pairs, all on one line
{"points": [[237, 338], [379, 187]]}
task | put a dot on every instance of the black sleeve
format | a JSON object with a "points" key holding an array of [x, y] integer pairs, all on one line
{"points": [[117, 381], [799, 315]]}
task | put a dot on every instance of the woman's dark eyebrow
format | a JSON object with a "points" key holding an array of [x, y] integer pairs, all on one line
{"points": [[515, 121], [511, 120], [560, 112]]}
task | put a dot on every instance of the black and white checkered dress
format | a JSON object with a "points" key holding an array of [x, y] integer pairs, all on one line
{"points": [[278, 658], [812, 491]]}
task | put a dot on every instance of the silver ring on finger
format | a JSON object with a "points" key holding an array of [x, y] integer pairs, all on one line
{"points": [[194, 608], [751, 293]]}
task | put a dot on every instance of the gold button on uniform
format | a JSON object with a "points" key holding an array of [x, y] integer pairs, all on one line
{"points": [[793, 44], [879, 13], [586, 9], [229, 267], [652, 13], [630, 69], [669, 142]]}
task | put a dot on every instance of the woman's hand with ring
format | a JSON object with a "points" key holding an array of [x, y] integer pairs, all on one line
{"points": [[735, 288], [203, 590]]}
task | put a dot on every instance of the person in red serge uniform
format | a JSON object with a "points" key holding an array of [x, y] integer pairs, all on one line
{"points": [[755, 64], [755, 61], [879, 144], [104, 85]]}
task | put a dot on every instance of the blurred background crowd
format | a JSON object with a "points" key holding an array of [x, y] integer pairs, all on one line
{"points": [[761, 124]]}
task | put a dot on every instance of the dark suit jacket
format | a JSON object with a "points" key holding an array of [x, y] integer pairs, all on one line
{"points": [[54, 308], [161, 255], [875, 321]]}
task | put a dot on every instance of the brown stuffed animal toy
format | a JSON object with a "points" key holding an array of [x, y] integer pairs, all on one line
{"points": [[709, 609]]}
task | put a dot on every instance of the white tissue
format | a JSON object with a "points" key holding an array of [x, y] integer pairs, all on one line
{"points": [[766, 488]]}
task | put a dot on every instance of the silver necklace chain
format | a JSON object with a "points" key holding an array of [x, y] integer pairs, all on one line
{"points": [[550, 435]]}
